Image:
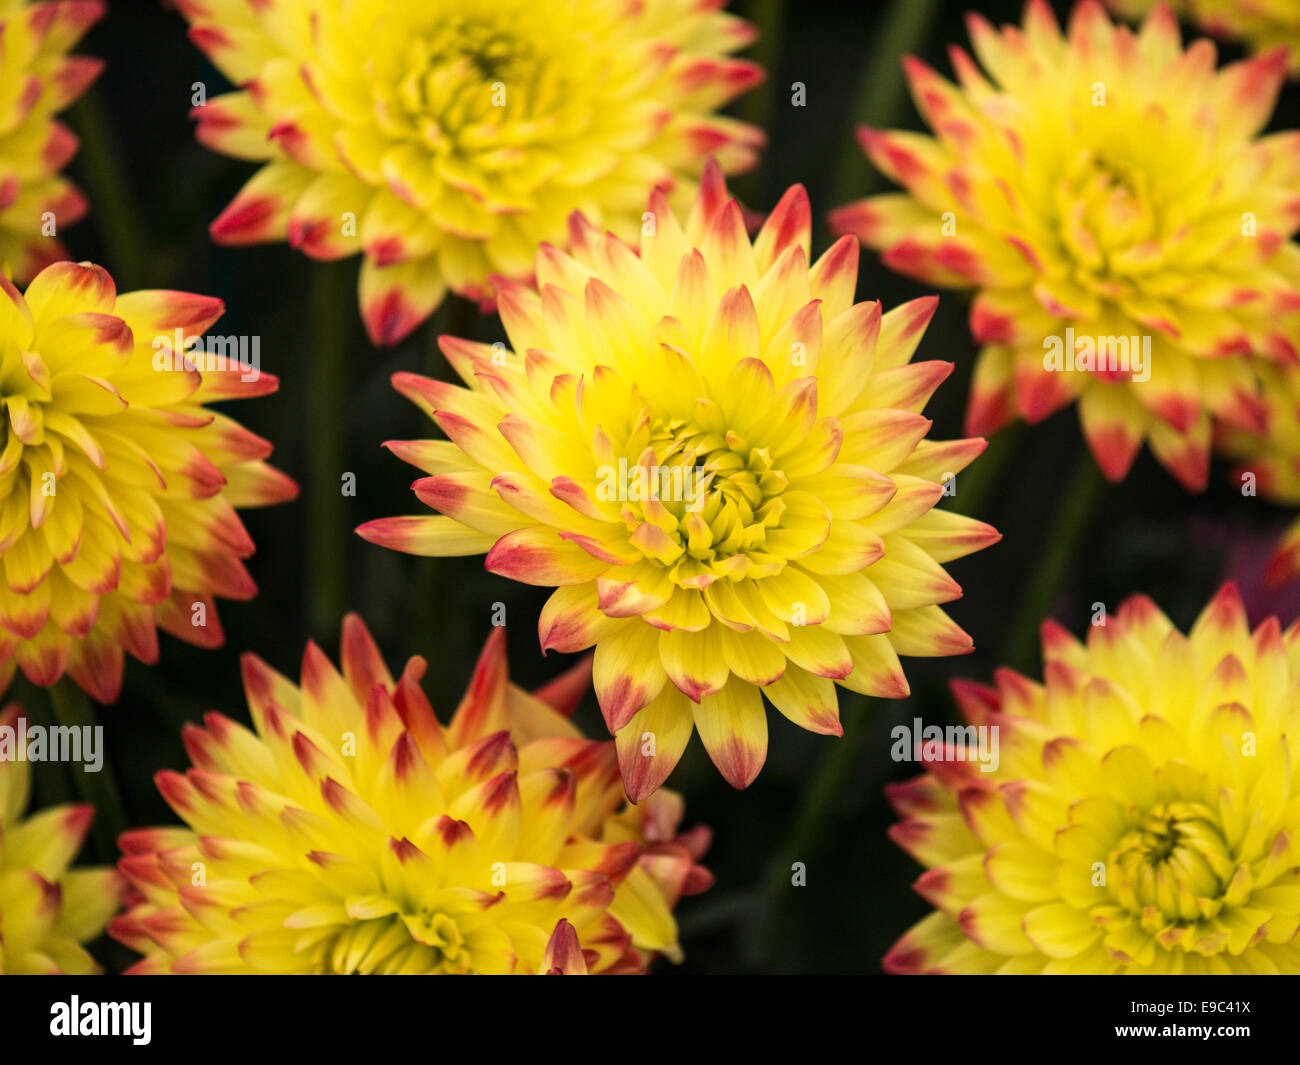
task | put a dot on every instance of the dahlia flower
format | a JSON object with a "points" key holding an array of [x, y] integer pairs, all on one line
{"points": [[1261, 24], [445, 139], [350, 832], [1142, 816], [118, 487], [1108, 197], [46, 910], [39, 79], [718, 460]]}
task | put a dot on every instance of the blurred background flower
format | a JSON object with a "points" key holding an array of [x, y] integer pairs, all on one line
{"points": [[1259, 24], [119, 486], [47, 912], [445, 139], [1103, 186], [1269, 459], [37, 80]]}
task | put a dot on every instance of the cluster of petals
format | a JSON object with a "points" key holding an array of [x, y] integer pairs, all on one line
{"points": [[1258, 24], [718, 460], [118, 484], [47, 911], [38, 79], [443, 140], [350, 832], [1125, 228], [1143, 815]]}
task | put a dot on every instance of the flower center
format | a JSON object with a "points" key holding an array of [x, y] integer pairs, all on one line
{"points": [[1174, 856], [467, 74], [701, 500], [732, 487], [1110, 220], [422, 942]]}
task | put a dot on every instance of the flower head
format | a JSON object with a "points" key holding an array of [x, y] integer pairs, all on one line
{"points": [[445, 139], [1142, 816], [39, 79], [718, 459], [46, 910], [1261, 24], [118, 487], [350, 832], [1108, 197]]}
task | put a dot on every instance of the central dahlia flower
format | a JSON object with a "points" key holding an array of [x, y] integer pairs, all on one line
{"points": [[1262, 24], [445, 139], [38, 78], [46, 911], [352, 833], [1143, 816], [118, 487], [1104, 192], [718, 459]]}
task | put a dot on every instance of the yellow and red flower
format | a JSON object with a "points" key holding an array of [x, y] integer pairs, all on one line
{"points": [[118, 486], [47, 911], [1143, 815], [445, 139], [37, 79], [1261, 24], [1101, 189], [350, 832], [718, 460]]}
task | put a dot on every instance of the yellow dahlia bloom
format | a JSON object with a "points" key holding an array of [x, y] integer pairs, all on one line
{"points": [[118, 486], [718, 459], [37, 79], [352, 833], [46, 910], [445, 139], [1261, 24], [1142, 816], [1125, 228]]}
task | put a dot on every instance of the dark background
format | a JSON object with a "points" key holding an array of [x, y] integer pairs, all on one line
{"points": [[153, 191]]}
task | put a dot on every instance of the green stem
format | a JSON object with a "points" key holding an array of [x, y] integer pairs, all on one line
{"points": [[814, 807], [975, 483], [1066, 533], [72, 709], [108, 185], [709, 915], [881, 92], [458, 318], [325, 426], [879, 101], [808, 824], [768, 17], [51, 784]]}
